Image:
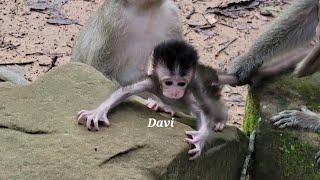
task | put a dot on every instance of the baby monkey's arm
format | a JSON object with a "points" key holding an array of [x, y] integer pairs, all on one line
{"points": [[100, 113]]}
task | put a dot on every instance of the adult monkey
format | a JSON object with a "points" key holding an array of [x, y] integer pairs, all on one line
{"points": [[293, 28], [120, 36]]}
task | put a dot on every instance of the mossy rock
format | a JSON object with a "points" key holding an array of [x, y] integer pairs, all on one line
{"points": [[40, 139], [289, 153]]}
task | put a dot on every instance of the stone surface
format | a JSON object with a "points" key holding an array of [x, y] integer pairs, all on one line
{"points": [[283, 154], [40, 139]]}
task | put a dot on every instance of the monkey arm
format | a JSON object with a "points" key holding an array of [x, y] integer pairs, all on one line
{"points": [[207, 95], [125, 92], [100, 113], [197, 138], [197, 111], [278, 66], [293, 28]]}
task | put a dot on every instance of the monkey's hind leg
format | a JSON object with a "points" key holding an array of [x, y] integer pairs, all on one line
{"points": [[303, 119]]}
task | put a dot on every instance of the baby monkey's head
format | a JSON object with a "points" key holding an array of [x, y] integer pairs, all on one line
{"points": [[173, 65]]}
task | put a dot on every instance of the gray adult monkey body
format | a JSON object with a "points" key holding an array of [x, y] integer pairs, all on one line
{"points": [[293, 28], [120, 36], [298, 25]]}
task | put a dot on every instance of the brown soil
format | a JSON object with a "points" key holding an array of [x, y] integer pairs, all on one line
{"points": [[29, 41]]}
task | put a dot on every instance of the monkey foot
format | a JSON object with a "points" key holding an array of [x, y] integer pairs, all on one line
{"points": [[158, 106], [302, 118], [197, 140], [218, 127], [92, 117]]}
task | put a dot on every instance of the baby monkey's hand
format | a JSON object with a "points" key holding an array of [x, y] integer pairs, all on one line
{"points": [[93, 116], [197, 139]]}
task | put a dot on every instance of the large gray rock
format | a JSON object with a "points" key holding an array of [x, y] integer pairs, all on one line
{"points": [[40, 139], [283, 154]]}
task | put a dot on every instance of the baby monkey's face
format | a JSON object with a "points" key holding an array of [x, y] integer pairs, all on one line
{"points": [[173, 84], [173, 87]]}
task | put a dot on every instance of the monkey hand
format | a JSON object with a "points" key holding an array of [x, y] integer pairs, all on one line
{"points": [[243, 68], [218, 127], [93, 116], [303, 118], [197, 139], [158, 106]]}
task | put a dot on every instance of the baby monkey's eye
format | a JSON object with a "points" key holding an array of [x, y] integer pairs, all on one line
{"points": [[168, 83], [181, 84]]}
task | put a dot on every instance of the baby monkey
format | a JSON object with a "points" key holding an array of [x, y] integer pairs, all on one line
{"points": [[174, 76]]}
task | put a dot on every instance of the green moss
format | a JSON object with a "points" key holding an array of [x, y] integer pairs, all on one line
{"points": [[251, 115], [283, 154], [296, 158], [306, 89]]}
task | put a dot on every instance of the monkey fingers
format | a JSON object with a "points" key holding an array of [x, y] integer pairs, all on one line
{"points": [[93, 116], [218, 127], [304, 118], [285, 119], [152, 104], [158, 106], [81, 117], [197, 139], [169, 110]]}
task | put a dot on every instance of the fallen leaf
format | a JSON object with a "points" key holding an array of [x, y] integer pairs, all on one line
{"points": [[39, 5]]}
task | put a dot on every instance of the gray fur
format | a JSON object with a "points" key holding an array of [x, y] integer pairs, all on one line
{"points": [[293, 28], [13, 77], [104, 36]]}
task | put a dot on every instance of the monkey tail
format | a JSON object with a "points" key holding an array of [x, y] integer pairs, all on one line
{"points": [[13, 77]]}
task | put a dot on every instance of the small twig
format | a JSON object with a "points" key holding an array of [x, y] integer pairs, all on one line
{"points": [[225, 24], [9, 46], [226, 46], [16, 63], [53, 63], [248, 157], [35, 54]]}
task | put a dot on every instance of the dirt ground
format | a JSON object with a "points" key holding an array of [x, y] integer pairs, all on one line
{"points": [[31, 43]]}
